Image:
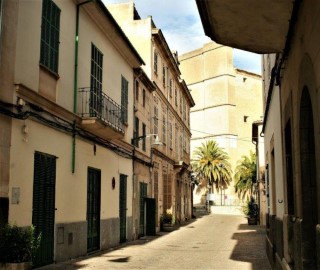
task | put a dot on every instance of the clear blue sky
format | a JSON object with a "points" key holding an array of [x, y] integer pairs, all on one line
{"points": [[180, 23]]}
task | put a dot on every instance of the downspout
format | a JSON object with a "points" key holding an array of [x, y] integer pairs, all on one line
{"points": [[75, 81]]}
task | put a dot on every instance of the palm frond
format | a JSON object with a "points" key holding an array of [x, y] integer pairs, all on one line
{"points": [[211, 163]]}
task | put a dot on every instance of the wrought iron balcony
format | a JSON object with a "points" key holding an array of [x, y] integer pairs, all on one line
{"points": [[96, 105]]}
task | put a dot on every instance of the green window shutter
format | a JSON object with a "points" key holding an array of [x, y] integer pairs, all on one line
{"points": [[123, 207], [144, 133], [96, 82], [43, 206], [136, 132], [143, 195], [124, 99], [50, 32]]}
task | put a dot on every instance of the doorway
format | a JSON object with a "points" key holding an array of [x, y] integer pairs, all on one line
{"points": [[308, 182], [123, 208], [43, 205], [93, 209]]}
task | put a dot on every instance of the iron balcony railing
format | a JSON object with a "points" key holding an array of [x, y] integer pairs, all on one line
{"points": [[95, 103]]}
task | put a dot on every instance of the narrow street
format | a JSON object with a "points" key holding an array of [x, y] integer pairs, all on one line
{"points": [[210, 242]]}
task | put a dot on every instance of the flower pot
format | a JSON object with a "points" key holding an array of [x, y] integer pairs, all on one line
{"points": [[252, 221], [167, 227], [16, 266]]}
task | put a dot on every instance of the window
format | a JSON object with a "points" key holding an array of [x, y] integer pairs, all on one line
{"points": [[170, 87], [144, 133], [144, 98], [181, 103], [164, 130], [50, 28], [155, 62], [137, 90], [176, 97], [164, 76], [136, 132], [96, 81], [184, 110], [124, 99], [170, 135], [176, 143], [180, 148], [155, 128]]}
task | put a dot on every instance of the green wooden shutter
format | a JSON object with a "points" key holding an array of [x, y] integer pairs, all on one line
{"points": [[93, 209], [124, 99], [44, 206], [143, 195], [50, 32], [96, 82], [123, 208]]}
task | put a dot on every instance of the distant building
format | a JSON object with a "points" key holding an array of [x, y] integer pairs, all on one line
{"points": [[228, 101], [143, 204], [170, 116]]}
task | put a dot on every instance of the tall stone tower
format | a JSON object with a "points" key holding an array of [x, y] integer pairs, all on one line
{"points": [[228, 101]]}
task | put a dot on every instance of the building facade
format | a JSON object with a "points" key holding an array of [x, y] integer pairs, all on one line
{"points": [[228, 101], [67, 113], [143, 201], [288, 37], [170, 115]]}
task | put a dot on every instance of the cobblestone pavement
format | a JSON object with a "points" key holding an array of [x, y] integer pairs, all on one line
{"points": [[214, 241]]}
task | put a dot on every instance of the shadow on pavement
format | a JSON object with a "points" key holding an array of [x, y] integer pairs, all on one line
{"points": [[250, 246], [78, 263]]}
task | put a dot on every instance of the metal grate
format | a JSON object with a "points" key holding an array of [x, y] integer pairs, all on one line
{"points": [[97, 104]]}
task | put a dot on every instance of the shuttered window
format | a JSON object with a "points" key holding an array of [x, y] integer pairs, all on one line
{"points": [[96, 81], [155, 62], [124, 99], [144, 133], [170, 135], [164, 130], [50, 31], [136, 132], [155, 123]]}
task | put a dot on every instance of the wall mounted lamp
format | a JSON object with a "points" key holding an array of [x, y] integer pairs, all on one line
{"points": [[156, 139]]}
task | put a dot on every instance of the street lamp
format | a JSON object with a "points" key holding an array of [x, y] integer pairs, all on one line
{"points": [[156, 140]]}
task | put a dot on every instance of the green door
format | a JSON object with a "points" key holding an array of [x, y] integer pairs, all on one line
{"points": [[93, 209], [123, 208], [143, 195], [151, 216], [43, 206]]}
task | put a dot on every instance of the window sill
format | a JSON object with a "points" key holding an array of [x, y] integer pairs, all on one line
{"points": [[49, 72]]}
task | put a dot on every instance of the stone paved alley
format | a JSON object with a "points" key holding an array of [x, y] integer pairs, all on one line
{"points": [[215, 241]]}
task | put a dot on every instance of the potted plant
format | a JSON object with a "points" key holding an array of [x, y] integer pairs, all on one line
{"points": [[17, 245], [167, 222], [251, 211]]}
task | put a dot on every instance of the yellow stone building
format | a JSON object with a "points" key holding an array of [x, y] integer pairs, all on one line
{"points": [[228, 100], [172, 188]]}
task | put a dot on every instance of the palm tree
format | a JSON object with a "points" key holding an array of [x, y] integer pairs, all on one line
{"points": [[211, 166], [245, 176]]}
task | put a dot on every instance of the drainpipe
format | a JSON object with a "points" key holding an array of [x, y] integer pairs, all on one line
{"points": [[75, 82]]}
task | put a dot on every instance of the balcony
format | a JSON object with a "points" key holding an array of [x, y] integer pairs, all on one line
{"points": [[100, 114]]}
